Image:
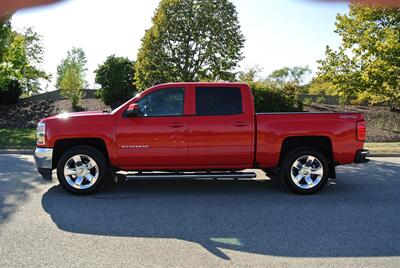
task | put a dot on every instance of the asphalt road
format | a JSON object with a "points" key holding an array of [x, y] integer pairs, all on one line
{"points": [[355, 221]]}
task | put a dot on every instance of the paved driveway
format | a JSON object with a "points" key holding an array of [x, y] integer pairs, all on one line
{"points": [[354, 221]]}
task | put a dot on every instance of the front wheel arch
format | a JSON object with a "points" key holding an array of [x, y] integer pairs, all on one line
{"points": [[63, 145]]}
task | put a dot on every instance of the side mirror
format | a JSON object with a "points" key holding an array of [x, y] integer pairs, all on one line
{"points": [[133, 110]]}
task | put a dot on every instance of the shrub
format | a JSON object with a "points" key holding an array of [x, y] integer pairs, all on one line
{"points": [[116, 78], [268, 98], [343, 100], [321, 99], [307, 101], [11, 94]]}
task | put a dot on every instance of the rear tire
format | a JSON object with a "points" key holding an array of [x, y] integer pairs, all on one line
{"points": [[82, 170], [304, 170]]}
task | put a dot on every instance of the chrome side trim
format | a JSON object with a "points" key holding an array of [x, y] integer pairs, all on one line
{"points": [[44, 157]]}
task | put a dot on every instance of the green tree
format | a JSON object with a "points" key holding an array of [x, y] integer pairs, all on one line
{"points": [[71, 84], [367, 63], [116, 78], [251, 74], [190, 40], [21, 55], [6, 68], [316, 87], [34, 54], [71, 75], [295, 75]]}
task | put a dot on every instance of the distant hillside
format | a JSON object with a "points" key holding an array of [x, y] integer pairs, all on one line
{"points": [[382, 124], [27, 113]]}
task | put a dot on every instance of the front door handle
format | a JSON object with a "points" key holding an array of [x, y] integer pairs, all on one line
{"points": [[240, 124]]}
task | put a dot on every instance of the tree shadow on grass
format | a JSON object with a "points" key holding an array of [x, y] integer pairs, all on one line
{"points": [[355, 217]]}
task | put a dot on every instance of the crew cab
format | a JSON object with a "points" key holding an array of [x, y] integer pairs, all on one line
{"points": [[197, 130]]}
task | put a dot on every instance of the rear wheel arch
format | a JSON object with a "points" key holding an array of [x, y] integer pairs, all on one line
{"points": [[321, 143]]}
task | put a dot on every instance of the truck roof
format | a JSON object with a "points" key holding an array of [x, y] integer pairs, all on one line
{"points": [[203, 84]]}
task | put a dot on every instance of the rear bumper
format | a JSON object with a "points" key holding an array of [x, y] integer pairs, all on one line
{"points": [[44, 161], [361, 156]]}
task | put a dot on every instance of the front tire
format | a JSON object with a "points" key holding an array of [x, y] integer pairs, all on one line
{"points": [[82, 170], [304, 170]]}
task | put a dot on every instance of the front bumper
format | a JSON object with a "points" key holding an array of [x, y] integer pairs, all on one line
{"points": [[44, 161], [361, 156]]}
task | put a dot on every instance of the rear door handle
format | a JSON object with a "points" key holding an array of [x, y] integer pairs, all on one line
{"points": [[177, 125], [240, 124]]}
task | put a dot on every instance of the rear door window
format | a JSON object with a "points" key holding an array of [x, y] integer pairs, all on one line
{"points": [[218, 101]]}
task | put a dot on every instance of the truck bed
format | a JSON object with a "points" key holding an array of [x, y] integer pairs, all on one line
{"points": [[274, 128]]}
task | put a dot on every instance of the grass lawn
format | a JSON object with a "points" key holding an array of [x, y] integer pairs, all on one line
{"points": [[17, 138], [383, 147]]}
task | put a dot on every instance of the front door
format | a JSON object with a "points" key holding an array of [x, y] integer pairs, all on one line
{"points": [[157, 137]]}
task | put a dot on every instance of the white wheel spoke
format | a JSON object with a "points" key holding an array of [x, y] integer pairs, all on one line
{"points": [[309, 180], [79, 181], [77, 158], [317, 171], [69, 171], [310, 160], [91, 165], [299, 177], [297, 165], [89, 177]]}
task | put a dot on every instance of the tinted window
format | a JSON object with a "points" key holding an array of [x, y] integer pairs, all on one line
{"points": [[218, 100], [164, 102]]}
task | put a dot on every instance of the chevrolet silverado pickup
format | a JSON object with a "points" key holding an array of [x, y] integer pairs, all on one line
{"points": [[197, 130]]}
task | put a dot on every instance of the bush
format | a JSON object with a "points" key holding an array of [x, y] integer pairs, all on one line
{"points": [[307, 101], [11, 94], [268, 98], [116, 78], [343, 100], [321, 99]]}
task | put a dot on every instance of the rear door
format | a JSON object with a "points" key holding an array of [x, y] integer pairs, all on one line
{"points": [[221, 129]]}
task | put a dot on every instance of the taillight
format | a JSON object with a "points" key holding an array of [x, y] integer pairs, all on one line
{"points": [[361, 130]]}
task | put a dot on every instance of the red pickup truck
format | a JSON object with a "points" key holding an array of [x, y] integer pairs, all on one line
{"points": [[197, 130]]}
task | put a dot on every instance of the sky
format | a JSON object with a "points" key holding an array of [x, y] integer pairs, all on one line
{"points": [[278, 33]]}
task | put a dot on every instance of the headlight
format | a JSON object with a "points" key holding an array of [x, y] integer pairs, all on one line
{"points": [[41, 134]]}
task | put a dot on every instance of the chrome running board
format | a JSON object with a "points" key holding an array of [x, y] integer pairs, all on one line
{"points": [[187, 175]]}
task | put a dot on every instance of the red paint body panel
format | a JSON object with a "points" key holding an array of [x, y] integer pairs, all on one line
{"points": [[192, 142]]}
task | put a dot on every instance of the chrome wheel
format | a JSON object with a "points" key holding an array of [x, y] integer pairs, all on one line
{"points": [[81, 171], [307, 171]]}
